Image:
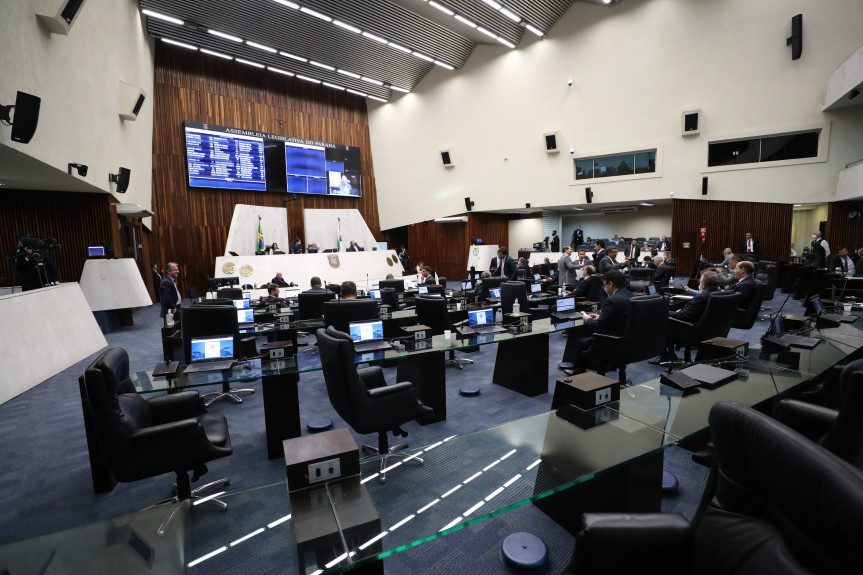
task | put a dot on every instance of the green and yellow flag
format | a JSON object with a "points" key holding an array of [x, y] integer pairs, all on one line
{"points": [[260, 235]]}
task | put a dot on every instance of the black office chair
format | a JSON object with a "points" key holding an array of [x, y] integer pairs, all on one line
{"points": [[229, 293], [775, 502], [596, 291], [390, 297], [432, 312], [441, 281], [193, 293], [767, 274], [362, 397], [342, 312], [639, 279], [493, 282], [335, 288], [207, 320], [714, 322], [142, 438], [645, 336], [509, 293], [398, 285], [744, 318], [214, 301], [838, 430], [436, 289], [311, 304]]}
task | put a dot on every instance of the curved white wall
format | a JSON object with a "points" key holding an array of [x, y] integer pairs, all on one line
{"points": [[635, 67]]}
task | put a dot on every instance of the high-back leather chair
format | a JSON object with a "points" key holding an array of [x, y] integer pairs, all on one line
{"points": [[436, 289], [230, 293], [509, 293], [141, 438], [433, 312], [398, 285], [595, 292], [745, 318], [311, 304], [389, 296], [639, 279], [645, 336], [775, 502], [208, 320], [714, 322], [362, 397], [766, 273], [342, 312]]}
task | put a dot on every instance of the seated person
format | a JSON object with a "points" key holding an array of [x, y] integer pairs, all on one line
{"points": [[662, 273], [427, 276], [390, 277], [353, 247], [316, 286], [313, 248], [296, 247], [274, 249], [609, 262], [272, 296], [583, 285], [647, 262], [745, 282], [694, 308], [481, 291], [611, 318], [279, 280], [843, 263], [726, 272], [349, 290], [523, 264]]}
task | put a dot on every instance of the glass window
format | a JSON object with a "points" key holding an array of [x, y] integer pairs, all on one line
{"points": [[584, 169], [615, 165], [610, 166], [789, 147], [733, 153], [645, 162]]}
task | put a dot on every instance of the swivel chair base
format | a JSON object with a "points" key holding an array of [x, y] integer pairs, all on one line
{"points": [[456, 361], [387, 451], [226, 392], [195, 493]]}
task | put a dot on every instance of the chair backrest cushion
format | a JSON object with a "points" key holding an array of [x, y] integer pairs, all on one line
{"points": [[509, 293], [311, 304], [433, 313], [646, 331], [340, 313]]}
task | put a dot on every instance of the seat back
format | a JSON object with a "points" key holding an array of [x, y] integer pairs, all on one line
{"points": [[204, 320], [491, 283], [340, 374], [745, 318], [398, 285], [340, 313], [595, 292], [335, 288], [509, 293], [646, 331], [193, 293], [311, 304], [433, 313], [436, 289], [639, 279], [767, 272], [441, 281], [845, 437], [229, 293], [764, 514], [390, 297], [213, 301], [717, 317]]}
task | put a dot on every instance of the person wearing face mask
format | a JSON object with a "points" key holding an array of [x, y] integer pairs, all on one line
{"points": [[819, 251]]}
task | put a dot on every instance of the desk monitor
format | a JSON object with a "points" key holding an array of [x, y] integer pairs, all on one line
{"points": [[96, 252], [398, 285], [480, 316], [375, 294], [537, 277], [817, 304], [247, 295], [366, 331], [465, 286], [212, 347], [424, 290], [245, 316], [241, 303], [494, 292], [566, 304], [535, 288]]}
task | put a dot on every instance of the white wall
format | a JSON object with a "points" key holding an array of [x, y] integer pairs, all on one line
{"points": [[647, 222], [523, 233], [77, 77], [635, 67]]}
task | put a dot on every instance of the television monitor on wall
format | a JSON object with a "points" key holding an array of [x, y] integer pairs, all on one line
{"points": [[222, 157]]}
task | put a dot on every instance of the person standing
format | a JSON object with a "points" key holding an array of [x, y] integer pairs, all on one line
{"points": [[565, 267], [169, 293], [503, 265], [555, 241], [157, 279], [750, 247], [632, 252], [819, 251], [577, 236]]}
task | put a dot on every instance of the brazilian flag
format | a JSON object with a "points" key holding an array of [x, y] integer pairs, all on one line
{"points": [[260, 235]]}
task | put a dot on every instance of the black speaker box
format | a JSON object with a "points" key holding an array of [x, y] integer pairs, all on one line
{"points": [[468, 204], [26, 117], [796, 38], [588, 195], [122, 180]]}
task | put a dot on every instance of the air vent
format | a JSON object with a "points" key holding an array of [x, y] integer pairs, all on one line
{"points": [[620, 210]]}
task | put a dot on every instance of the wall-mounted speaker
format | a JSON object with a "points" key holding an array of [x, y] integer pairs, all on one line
{"points": [[468, 204], [446, 158], [121, 178], [704, 186], [691, 122], [796, 38], [551, 143], [588, 195], [129, 101], [25, 118], [58, 16]]}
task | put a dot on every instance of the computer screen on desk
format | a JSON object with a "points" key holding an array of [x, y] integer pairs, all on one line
{"points": [[817, 304], [481, 316], [364, 331], [566, 304], [245, 316], [423, 289], [465, 286], [247, 295], [213, 347], [375, 294], [96, 252], [535, 288], [241, 303], [494, 292]]}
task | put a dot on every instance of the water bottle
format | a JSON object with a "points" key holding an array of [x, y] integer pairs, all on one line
{"points": [[516, 308], [671, 282], [498, 316], [169, 319]]}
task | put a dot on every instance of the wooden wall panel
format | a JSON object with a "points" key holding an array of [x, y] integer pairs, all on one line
{"points": [[727, 224], [191, 225], [76, 220], [843, 230]]}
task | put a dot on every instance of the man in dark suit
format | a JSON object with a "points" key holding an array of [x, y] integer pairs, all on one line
{"points": [[694, 308], [428, 276], [577, 236], [750, 247], [664, 245], [632, 252], [745, 282], [662, 273], [647, 262], [611, 318], [315, 286], [169, 293], [555, 241], [843, 263], [609, 262], [582, 260], [584, 286], [503, 265], [598, 252], [279, 280], [157, 280]]}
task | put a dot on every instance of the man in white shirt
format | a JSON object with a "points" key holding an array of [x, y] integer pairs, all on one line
{"points": [[842, 263]]}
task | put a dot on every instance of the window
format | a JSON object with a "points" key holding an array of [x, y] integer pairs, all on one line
{"points": [[762, 149], [610, 166]]}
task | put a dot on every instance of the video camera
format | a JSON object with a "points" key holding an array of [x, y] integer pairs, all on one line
{"points": [[36, 245]]}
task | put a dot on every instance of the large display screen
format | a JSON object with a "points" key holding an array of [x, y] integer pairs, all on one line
{"points": [[222, 157]]}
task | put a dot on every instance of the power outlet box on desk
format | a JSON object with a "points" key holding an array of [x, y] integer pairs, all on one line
{"points": [[310, 459], [585, 391]]}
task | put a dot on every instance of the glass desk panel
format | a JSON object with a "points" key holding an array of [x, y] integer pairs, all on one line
{"points": [[145, 382], [467, 479], [538, 327]]}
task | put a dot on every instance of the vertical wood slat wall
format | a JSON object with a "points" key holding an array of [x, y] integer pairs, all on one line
{"points": [[727, 224], [843, 230], [76, 220], [444, 246], [190, 226]]}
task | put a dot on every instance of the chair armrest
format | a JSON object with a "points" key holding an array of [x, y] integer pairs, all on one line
{"points": [[611, 338], [378, 392], [808, 419], [176, 406], [635, 543], [372, 377], [680, 322]]}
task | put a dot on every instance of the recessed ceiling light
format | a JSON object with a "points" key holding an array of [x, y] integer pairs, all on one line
{"points": [[493, 4], [797, 205], [159, 16], [357, 93], [375, 38], [397, 89], [324, 66], [261, 47], [511, 15], [535, 30], [341, 24], [248, 63], [293, 5], [422, 56], [219, 54], [488, 33], [648, 204], [577, 209], [181, 44], [346, 73], [465, 21], [373, 81], [307, 79], [442, 8], [376, 98], [298, 58], [505, 42], [399, 47], [333, 86], [311, 12], [225, 36], [280, 71], [443, 65]]}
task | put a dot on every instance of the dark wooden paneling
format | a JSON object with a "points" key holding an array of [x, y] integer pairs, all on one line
{"points": [[76, 220], [444, 246], [843, 230], [727, 224], [191, 225]]}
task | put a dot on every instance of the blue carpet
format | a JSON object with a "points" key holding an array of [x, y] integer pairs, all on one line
{"points": [[46, 482]]}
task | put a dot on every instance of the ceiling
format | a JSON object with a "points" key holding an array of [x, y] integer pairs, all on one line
{"points": [[376, 48]]}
